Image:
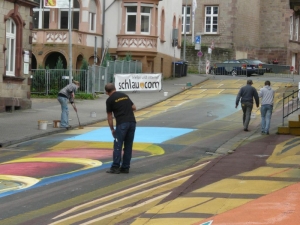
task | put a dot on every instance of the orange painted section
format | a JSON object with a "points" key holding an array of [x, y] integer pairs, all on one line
{"points": [[278, 208]]}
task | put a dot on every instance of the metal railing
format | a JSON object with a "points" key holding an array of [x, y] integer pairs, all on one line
{"points": [[99, 76], [50, 81], [290, 104]]}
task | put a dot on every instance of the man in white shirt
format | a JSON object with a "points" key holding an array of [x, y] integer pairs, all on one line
{"points": [[267, 99]]}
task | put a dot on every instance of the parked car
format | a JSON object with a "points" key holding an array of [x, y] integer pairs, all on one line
{"points": [[232, 67], [237, 67], [256, 65]]}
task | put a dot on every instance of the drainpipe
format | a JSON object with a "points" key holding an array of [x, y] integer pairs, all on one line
{"points": [[184, 43]]}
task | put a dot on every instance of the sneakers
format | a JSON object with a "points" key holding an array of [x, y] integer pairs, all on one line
{"points": [[124, 170], [68, 127], [113, 170], [246, 129]]}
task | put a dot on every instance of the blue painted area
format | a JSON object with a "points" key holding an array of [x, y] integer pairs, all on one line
{"points": [[207, 223], [155, 135], [225, 105]]}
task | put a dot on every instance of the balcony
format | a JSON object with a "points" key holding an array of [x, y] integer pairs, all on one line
{"points": [[137, 43], [56, 37]]}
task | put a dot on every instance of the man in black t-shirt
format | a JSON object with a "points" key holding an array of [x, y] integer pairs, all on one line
{"points": [[120, 105]]}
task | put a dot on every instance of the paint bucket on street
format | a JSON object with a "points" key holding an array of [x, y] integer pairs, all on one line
{"points": [[93, 114], [165, 94], [56, 123], [42, 124]]}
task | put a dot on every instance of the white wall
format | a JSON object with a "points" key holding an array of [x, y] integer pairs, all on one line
{"points": [[171, 9], [112, 18]]}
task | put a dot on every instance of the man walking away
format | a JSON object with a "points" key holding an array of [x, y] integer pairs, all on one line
{"points": [[120, 105], [65, 95], [267, 99], [246, 95]]}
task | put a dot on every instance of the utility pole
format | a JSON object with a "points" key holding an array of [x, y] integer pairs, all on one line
{"points": [[70, 44]]}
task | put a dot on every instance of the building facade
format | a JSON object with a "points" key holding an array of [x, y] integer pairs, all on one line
{"points": [[267, 30], [16, 44], [141, 28]]}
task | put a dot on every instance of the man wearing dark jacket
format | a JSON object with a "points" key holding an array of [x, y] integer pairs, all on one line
{"points": [[246, 95]]}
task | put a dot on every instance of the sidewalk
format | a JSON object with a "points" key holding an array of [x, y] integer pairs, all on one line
{"points": [[23, 125]]}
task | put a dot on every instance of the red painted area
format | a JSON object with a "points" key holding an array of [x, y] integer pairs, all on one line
{"points": [[88, 153], [37, 169], [278, 208]]}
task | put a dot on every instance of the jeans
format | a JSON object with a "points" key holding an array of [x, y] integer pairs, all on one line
{"points": [[124, 134], [266, 113], [247, 108], [64, 118]]}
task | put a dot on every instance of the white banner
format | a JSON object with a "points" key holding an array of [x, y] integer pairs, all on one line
{"points": [[57, 4], [138, 82]]}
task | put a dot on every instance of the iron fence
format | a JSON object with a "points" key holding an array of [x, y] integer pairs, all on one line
{"points": [[290, 104], [99, 76], [50, 81]]}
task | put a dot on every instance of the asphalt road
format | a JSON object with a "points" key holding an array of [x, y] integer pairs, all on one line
{"points": [[61, 178]]}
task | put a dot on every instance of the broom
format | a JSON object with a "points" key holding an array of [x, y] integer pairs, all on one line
{"points": [[80, 127]]}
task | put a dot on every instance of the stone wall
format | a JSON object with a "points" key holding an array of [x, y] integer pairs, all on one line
{"points": [[218, 55], [15, 90]]}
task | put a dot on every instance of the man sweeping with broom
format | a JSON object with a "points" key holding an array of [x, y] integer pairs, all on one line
{"points": [[65, 95]]}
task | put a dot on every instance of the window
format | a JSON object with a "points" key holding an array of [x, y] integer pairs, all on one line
{"points": [[297, 29], [10, 53], [145, 20], [186, 19], [211, 19], [162, 26], [291, 28], [64, 16], [92, 15], [131, 14], [41, 16], [92, 21]]}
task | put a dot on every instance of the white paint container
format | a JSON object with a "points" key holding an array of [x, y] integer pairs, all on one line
{"points": [[93, 114], [165, 94], [42, 124]]}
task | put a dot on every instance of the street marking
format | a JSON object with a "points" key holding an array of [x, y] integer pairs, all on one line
{"points": [[129, 190], [120, 200], [126, 209]]}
